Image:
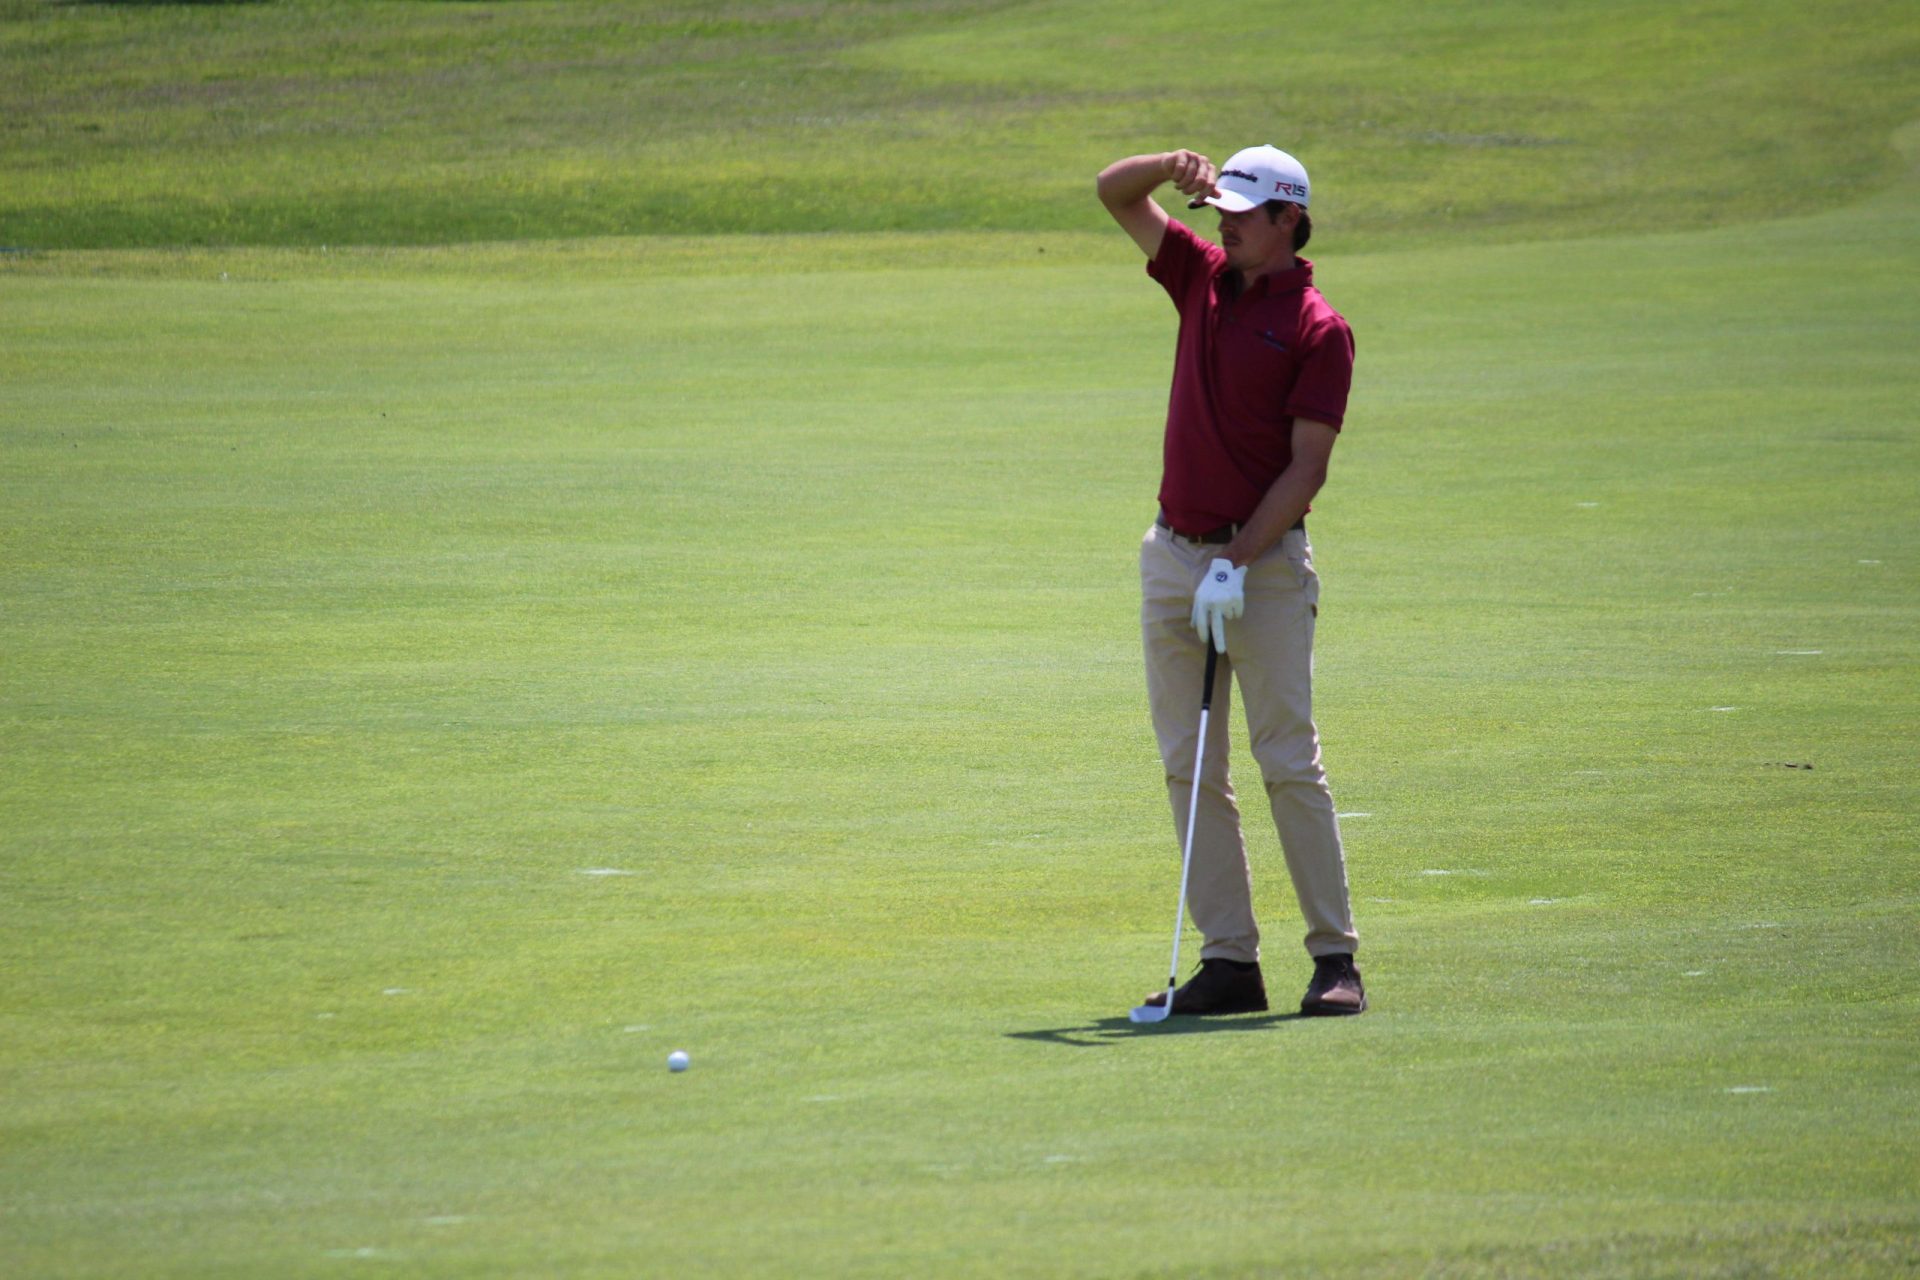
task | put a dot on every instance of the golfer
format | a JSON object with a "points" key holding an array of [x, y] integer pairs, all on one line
{"points": [[1260, 377]]}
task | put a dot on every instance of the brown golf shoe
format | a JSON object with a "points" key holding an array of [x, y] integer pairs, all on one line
{"points": [[1335, 990], [1220, 987]]}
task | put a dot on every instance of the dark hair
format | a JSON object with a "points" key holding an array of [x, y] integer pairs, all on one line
{"points": [[1302, 230]]}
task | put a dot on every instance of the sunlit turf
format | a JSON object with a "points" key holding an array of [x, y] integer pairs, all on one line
{"points": [[312, 122], [441, 683], [445, 675]]}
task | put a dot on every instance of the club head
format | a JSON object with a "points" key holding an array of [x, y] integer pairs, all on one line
{"points": [[1149, 1013]]}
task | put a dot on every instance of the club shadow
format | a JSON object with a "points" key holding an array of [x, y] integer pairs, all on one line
{"points": [[1107, 1031]]}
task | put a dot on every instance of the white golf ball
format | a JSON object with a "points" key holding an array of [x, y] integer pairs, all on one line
{"points": [[677, 1060]]}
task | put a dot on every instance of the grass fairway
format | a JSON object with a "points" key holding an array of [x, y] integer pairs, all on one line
{"points": [[443, 680], [307, 122], [434, 696]]}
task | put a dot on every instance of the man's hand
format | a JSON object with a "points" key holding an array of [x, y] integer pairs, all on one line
{"points": [[1192, 173], [1222, 595], [1126, 188]]}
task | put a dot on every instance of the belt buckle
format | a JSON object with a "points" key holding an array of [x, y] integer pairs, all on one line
{"points": [[1213, 537]]}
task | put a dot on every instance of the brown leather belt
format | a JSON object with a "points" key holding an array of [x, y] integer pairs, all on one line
{"points": [[1214, 537]]}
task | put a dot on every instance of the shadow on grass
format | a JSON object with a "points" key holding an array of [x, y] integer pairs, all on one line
{"points": [[1108, 1031]]}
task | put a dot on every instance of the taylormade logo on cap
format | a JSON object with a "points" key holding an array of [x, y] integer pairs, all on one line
{"points": [[1252, 177]]}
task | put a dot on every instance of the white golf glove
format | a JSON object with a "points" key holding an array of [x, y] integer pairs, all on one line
{"points": [[1222, 595]]}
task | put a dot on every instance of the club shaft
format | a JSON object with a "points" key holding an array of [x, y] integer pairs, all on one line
{"points": [[1193, 816]]}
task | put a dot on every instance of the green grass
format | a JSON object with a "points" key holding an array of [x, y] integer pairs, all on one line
{"points": [[352, 619], [373, 122], [358, 604]]}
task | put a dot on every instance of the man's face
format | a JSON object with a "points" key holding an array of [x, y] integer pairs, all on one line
{"points": [[1254, 242]]}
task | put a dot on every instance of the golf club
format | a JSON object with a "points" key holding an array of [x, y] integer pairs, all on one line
{"points": [[1152, 1013]]}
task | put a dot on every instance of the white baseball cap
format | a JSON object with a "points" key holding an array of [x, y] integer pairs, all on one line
{"points": [[1254, 176]]}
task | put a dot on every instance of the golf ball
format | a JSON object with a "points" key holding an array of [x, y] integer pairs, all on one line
{"points": [[677, 1060]]}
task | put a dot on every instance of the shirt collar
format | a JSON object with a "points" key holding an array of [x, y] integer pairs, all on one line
{"points": [[1281, 282]]}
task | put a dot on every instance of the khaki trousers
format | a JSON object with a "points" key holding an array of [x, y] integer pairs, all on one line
{"points": [[1270, 656]]}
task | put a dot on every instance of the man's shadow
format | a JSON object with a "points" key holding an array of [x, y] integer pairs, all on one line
{"points": [[1110, 1031]]}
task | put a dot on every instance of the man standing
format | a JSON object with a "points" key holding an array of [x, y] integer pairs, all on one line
{"points": [[1260, 379]]}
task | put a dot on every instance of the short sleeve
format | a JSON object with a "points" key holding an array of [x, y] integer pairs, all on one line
{"points": [[1326, 375], [1183, 258]]}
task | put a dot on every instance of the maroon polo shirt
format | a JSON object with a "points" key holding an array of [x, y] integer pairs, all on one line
{"points": [[1243, 370]]}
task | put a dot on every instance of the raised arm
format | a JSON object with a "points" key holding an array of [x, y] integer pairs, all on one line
{"points": [[1126, 188]]}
